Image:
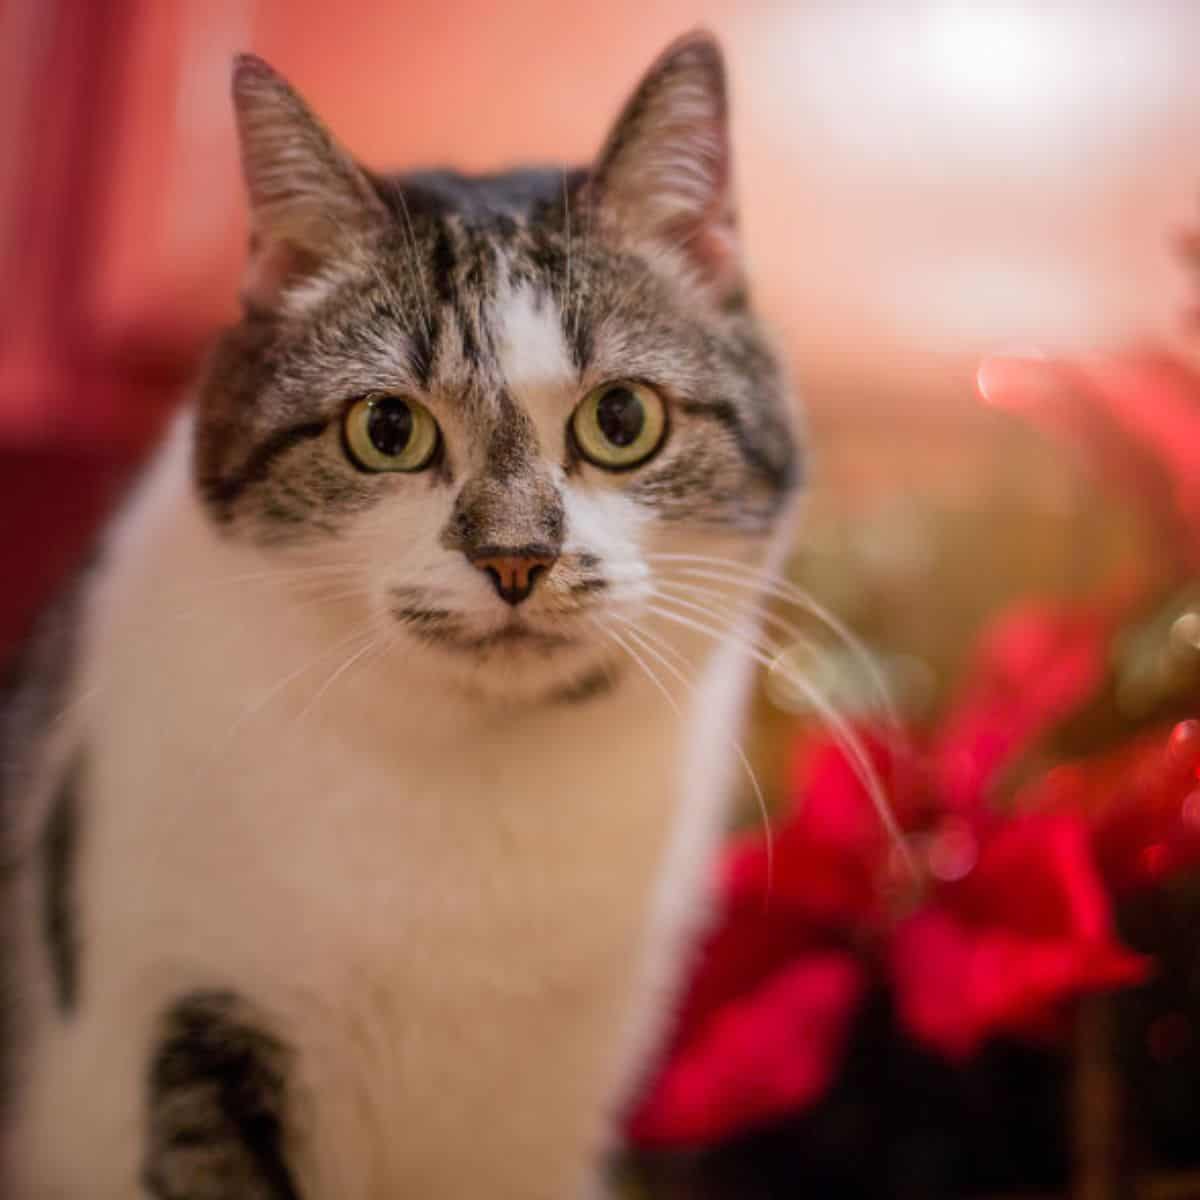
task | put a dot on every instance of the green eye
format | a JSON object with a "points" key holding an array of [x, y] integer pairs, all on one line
{"points": [[389, 433], [619, 425]]}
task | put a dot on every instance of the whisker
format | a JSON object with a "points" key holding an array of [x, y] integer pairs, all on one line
{"points": [[414, 265], [643, 638], [288, 575], [566, 300], [252, 710], [612, 634], [729, 571], [895, 739], [863, 768], [589, 220], [306, 588], [372, 643], [733, 572], [735, 607], [609, 632]]}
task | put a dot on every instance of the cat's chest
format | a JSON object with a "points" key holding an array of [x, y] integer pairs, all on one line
{"points": [[405, 841], [419, 922]]}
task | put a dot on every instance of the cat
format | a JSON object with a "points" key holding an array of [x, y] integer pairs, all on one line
{"points": [[357, 818]]}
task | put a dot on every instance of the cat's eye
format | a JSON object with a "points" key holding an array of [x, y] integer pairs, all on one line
{"points": [[619, 425], [391, 433]]}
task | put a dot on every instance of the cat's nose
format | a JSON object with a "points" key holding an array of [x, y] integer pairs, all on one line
{"points": [[514, 571]]}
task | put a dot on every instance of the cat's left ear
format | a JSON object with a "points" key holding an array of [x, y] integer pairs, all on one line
{"points": [[665, 174], [309, 200]]}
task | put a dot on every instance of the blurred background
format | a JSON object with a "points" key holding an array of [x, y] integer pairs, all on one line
{"points": [[968, 223]]}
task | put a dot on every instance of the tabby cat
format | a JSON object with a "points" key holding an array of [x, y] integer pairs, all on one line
{"points": [[358, 801]]}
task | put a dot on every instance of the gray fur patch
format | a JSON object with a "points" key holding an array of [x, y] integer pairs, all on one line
{"points": [[217, 1097]]}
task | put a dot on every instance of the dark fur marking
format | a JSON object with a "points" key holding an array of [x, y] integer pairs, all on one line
{"points": [[487, 201], [578, 332], [423, 616], [225, 492], [591, 686], [445, 263], [422, 349], [472, 352], [781, 472], [33, 692], [585, 587], [60, 906], [217, 1096], [510, 635], [449, 635]]}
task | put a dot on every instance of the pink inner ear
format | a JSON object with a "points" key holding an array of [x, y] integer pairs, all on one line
{"points": [[670, 182], [710, 243], [715, 250], [272, 265]]}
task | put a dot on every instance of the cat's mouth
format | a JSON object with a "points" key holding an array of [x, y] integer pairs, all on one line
{"points": [[444, 628]]}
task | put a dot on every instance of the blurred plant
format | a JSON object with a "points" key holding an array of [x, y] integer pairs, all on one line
{"points": [[1053, 782], [1008, 924], [1134, 420]]}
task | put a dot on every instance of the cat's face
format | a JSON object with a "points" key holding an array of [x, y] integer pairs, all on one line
{"points": [[488, 406]]}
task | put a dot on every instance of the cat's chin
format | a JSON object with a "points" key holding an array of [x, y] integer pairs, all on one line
{"points": [[522, 661]]}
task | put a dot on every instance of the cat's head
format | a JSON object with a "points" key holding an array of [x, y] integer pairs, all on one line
{"points": [[491, 405]]}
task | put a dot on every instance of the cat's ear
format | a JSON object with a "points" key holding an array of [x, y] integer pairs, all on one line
{"points": [[309, 200], [665, 173]]}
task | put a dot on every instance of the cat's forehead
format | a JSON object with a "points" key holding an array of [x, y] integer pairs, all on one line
{"points": [[484, 266], [489, 295], [532, 357]]}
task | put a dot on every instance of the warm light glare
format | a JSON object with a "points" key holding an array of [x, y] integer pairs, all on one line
{"points": [[998, 133]]}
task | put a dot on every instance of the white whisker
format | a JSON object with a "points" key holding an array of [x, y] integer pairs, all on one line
{"points": [[645, 639], [252, 710], [730, 571], [372, 643], [743, 607], [849, 740]]}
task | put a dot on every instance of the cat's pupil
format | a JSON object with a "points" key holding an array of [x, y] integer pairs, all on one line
{"points": [[390, 426], [620, 416]]}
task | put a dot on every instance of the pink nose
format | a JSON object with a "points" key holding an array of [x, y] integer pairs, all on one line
{"points": [[513, 573]]}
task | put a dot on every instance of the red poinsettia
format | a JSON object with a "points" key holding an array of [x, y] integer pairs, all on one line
{"points": [[1011, 921], [1004, 948], [1141, 802], [1012, 924]]}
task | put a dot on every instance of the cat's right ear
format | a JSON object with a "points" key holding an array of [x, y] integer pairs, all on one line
{"points": [[665, 173], [309, 200]]}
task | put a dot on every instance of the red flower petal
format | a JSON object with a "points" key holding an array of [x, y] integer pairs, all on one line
{"points": [[956, 987], [1141, 801], [1033, 667], [1035, 877], [767, 1055], [1003, 950]]}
